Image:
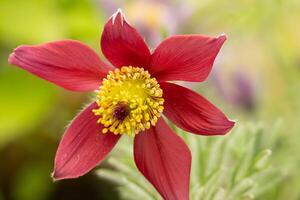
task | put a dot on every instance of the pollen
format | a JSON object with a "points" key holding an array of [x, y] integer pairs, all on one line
{"points": [[129, 100]]}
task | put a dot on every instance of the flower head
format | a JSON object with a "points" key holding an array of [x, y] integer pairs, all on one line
{"points": [[133, 93]]}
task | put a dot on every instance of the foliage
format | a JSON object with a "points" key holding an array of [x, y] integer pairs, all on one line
{"points": [[236, 166]]}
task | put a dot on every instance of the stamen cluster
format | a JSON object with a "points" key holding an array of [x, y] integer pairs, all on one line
{"points": [[129, 101]]}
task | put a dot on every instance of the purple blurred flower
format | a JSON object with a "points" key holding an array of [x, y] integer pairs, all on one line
{"points": [[240, 90], [244, 94]]}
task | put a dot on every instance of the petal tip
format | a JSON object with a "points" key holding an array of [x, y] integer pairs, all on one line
{"points": [[54, 177], [11, 58], [230, 125], [119, 11], [118, 15], [232, 122], [222, 38]]}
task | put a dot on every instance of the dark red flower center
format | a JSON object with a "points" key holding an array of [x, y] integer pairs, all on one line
{"points": [[121, 111]]}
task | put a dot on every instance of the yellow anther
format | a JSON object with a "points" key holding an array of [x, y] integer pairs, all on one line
{"points": [[129, 101], [104, 130]]}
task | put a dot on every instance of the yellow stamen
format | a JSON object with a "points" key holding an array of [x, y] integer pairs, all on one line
{"points": [[129, 101]]}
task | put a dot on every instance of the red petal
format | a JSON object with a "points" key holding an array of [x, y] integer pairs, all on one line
{"points": [[67, 63], [185, 57], [122, 45], [192, 112], [165, 160], [83, 146]]}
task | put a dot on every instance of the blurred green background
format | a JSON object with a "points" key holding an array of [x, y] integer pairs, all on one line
{"points": [[255, 80]]}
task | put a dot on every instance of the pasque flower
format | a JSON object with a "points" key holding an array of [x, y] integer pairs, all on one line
{"points": [[133, 94]]}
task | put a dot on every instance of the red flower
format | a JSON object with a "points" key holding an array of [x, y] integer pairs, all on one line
{"points": [[131, 100]]}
